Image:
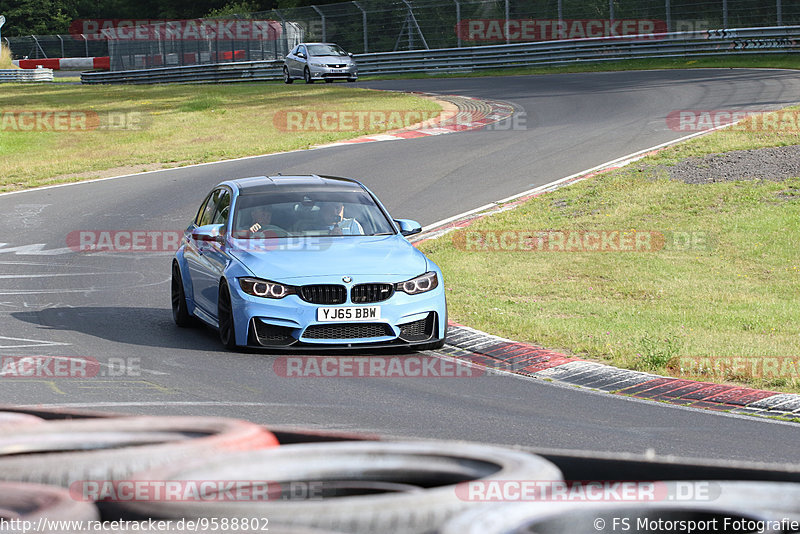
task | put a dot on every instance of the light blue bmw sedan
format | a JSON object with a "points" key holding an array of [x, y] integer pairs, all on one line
{"points": [[306, 262]]}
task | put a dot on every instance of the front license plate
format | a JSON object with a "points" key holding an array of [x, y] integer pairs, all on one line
{"points": [[356, 313]]}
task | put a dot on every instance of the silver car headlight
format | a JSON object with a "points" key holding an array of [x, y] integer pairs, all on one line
{"points": [[420, 284], [265, 288], [317, 64]]}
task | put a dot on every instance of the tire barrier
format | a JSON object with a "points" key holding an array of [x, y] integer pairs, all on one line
{"points": [[362, 487], [547, 518], [13, 418], [63, 452], [31, 502]]}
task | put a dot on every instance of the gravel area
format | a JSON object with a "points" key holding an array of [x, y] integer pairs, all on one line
{"points": [[773, 163]]}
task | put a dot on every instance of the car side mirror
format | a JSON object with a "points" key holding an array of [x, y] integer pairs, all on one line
{"points": [[212, 233], [350, 54], [408, 227]]}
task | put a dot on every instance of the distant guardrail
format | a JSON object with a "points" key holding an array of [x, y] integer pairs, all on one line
{"points": [[26, 75], [665, 45]]}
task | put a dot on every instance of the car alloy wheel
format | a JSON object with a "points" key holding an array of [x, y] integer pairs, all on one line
{"points": [[307, 76], [286, 77]]}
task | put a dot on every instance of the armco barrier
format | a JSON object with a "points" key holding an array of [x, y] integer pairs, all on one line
{"points": [[65, 63], [666, 45], [23, 75]]}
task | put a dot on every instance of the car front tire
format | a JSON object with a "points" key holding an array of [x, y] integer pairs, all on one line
{"points": [[227, 330], [180, 312], [307, 76], [286, 77]]}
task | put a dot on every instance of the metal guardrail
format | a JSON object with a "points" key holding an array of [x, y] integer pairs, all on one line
{"points": [[666, 45], [26, 75]]}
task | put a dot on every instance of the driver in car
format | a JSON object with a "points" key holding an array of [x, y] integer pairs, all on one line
{"points": [[261, 217], [333, 217]]}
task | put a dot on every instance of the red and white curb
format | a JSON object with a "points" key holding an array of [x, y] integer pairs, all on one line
{"points": [[472, 114], [501, 354], [525, 359], [66, 63]]}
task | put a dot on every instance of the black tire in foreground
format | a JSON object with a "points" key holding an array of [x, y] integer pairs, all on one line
{"points": [[605, 518], [69, 451], [286, 77], [356, 487], [30, 502]]}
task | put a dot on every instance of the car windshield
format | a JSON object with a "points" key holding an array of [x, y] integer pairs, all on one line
{"points": [[325, 50], [299, 212]]}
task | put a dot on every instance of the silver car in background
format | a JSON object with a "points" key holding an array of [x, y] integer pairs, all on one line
{"points": [[319, 61]]}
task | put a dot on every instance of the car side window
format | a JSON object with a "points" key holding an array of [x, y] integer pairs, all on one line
{"points": [[223, 208], [302, 50], [202, 212]]}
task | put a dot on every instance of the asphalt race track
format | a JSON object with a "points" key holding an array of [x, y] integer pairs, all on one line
{"points": [[114, 307]]}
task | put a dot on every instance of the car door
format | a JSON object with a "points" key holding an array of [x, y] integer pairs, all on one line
{"points": [[200, 256], [301, 58]]}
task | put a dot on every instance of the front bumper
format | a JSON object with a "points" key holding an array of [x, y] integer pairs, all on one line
{"points": [[331, 73], [290, 322]]}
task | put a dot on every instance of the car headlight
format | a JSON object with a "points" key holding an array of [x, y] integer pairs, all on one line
{"points": [[265, 288], [420, 284], [318, 64]]}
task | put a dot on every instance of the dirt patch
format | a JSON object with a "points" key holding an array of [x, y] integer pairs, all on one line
{"points": [[773, 163]]}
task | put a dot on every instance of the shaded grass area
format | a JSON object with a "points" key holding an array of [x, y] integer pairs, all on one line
{"points": [[775, 61], [169, 125], [724, 285]]}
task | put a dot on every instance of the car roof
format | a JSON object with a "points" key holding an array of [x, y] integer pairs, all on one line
{"points": [[265, 184]]}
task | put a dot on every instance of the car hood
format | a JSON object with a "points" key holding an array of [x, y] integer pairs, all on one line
{"points": [[287, 259]]}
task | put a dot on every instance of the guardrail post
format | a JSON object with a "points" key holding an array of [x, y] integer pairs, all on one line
{"points": [[724, 14], [508, 38], [38, 48], [458, 21], [85, 44], [780, 12], [62, 45], [322, 17], [364, 23], [283, 33]]}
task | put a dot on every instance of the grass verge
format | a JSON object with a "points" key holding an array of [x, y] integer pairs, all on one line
{"points": [[147, 127], [750, 61], [723, 286]]}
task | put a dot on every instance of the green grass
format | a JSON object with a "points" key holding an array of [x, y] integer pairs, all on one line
{"points": [[775, 61], [182, 124], [734, 294]]}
